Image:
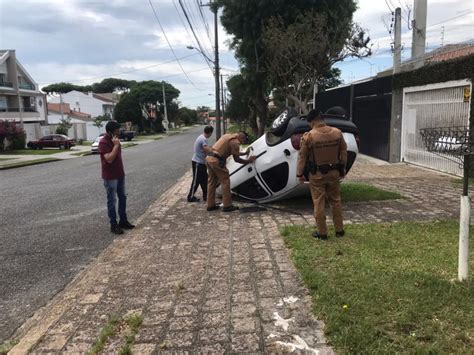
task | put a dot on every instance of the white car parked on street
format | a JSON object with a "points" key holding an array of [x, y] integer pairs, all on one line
{"points": [[273, 175]]}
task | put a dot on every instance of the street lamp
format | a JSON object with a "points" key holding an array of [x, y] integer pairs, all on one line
{"points": [[216, 77]]}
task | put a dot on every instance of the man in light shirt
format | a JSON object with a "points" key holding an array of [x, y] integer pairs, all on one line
{"points": [[201, 148]]}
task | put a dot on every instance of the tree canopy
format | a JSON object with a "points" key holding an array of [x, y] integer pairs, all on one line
{"points": [[251, 22]]}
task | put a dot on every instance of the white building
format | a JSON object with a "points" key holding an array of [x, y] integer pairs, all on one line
{"points": [[93, 104], [83, 127], [20, 98]]}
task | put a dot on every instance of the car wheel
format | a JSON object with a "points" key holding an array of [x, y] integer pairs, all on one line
{"points": [[280, 123]]}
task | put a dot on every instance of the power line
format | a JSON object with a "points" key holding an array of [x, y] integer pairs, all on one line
{"points": [[169, 44], [195, 22], [450, 19], [181, 18], [195, 36], [206, 25], [128, 71]]}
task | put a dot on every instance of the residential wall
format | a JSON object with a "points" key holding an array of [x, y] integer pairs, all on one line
{"points": [[81, 102]]}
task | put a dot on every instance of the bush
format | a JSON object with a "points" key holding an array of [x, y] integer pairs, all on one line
{"points": [[12, 132], [61, 130]]}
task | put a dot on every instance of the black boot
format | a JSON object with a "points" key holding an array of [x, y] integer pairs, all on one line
{"points": [[126, 225], [114, 228]]}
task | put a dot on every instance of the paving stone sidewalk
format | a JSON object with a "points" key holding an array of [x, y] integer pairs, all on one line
{"points": [[215, 282]]}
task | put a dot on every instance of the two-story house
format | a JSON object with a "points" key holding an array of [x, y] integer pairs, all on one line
{"points": [[20, 98], [94, 104]]}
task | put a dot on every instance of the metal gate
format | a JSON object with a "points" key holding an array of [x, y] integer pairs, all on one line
{"points": [[436, 105]]}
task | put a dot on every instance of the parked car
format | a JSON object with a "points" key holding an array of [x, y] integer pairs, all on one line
{"points": [[95, 144], [52, 141], [126, 135], [273, 175]]}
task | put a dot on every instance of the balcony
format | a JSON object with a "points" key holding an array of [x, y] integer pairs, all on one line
{"points": [[26, 86], [28, 114], [6, 84]]}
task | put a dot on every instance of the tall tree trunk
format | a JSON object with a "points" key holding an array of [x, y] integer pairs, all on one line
{"points": [[302, 104]]}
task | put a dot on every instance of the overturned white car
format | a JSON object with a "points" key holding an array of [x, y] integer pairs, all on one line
{"points": [[273, 175]]}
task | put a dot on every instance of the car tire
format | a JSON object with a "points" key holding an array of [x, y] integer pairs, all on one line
{"points": [[281, 122], [62, 146]]}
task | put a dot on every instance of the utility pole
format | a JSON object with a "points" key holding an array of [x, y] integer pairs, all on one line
{"points": [[397, 48], [216, 72], [223, 105], [442, 35], [61, 106], [419, 28], [165, 121]]}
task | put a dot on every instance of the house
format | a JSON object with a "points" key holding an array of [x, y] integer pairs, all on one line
{"points": [[433, 90], [83, 126], [20, 98], [93, 104]]}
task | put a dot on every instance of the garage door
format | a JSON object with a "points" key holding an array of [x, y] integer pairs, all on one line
{"points": [[437, 105]]}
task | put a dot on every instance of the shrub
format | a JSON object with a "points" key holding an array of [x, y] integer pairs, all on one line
{"points": [[14, 133]]}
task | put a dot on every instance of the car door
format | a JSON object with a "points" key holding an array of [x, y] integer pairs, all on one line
{"points": [[276, 169], [244, 179], [45, 141]]}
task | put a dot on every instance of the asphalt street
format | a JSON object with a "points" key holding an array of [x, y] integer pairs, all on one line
{"points": [[53, 219]]}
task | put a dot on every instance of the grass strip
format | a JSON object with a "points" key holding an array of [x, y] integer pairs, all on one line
{"points": [[34, 151], [388, 288], [27, 163], [357, 192], [109, 330], [134, 322]]}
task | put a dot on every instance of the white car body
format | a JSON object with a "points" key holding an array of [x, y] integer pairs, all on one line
{"points": [[273, 175]]}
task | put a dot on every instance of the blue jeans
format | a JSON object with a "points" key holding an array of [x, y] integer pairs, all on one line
{"points": [[116, 188]]}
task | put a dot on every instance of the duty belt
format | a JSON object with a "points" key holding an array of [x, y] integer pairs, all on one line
{"points": [[215, 155]]}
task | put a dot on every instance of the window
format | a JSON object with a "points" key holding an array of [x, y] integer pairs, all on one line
{"points": [[276, 178], [251, 189]]}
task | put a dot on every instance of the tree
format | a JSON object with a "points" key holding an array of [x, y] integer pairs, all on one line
{"points": [[64, 125], [148, 93], [112, 85], [331, 79], [246, 21], [238, 107], [62, 88], [128, 109], [294, 66], [99, 121], [187, 116]]}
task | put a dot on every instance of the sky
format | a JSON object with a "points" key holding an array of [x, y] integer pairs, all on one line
{"points": [[85, 41]]}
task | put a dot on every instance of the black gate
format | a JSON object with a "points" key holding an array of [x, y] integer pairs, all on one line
{"points": [[370, 110]]}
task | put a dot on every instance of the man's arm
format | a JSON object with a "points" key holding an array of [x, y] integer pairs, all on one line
{"points": [[206, 149], [110, 157], [342, 156], [235, 150], [302, 157]]}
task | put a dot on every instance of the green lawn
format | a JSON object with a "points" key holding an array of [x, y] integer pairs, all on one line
{"points": [[355, 192], [388, 288], [3, 159], [148, 137], [27, 163], [34, 151]]}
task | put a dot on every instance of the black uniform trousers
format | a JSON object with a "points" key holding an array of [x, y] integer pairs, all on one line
{"points": [[199, 179]]}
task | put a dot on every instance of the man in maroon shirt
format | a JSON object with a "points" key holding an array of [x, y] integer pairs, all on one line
{"points": [[114, 177]]}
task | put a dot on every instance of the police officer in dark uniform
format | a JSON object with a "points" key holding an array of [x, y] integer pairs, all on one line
{"points": [[324, 152]]}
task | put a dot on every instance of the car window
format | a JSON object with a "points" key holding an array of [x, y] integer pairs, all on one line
{"points": [[250, 189], [276, 178], [45, 138]]}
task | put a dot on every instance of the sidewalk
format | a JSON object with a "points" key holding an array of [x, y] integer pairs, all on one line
{"points": [[204, 285], [215, 282]]}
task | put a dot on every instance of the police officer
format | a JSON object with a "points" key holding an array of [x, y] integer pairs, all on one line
{"points": [[228, 144], [324, 152]]}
